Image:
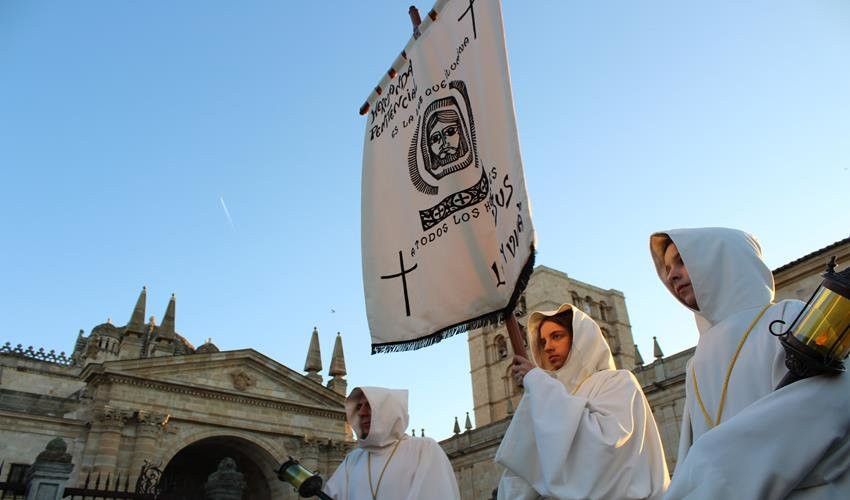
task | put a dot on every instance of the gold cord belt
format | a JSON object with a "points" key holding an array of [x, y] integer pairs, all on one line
{"points": [[374, 491], [708, 420]]}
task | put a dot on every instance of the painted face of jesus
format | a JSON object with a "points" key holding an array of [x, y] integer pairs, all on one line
{"points": [[444, 140]]}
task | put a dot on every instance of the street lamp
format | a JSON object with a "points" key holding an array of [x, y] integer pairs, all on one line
{"points": [[308, 484], [818, 339]]}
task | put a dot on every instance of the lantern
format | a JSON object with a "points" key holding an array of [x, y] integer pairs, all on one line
{"points": [[308, 484], [819, 338]]}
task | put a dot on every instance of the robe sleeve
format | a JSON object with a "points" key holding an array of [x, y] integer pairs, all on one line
{"points": [[336, 487], [567, 446], [793, 438], [686, 432], [434, 478]]}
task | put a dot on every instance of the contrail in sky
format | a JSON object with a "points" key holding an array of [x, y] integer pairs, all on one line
{"points": [[226, 212]]}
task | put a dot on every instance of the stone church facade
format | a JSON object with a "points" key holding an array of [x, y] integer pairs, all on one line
{"points": [[141, 393], [495, 395]]}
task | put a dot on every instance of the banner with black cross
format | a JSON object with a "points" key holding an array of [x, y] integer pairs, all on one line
{"points": [[447, 239]]}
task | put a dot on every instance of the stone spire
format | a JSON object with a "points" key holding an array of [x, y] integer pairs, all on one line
{"points": [[468, 424], [457, 427], [313, 365], [137, 319], [638, 357], [338, 384], [166, 328], [656, 349], [338, 359]]}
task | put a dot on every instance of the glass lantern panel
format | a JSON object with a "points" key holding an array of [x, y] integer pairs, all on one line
{"points": [[824, 324]]}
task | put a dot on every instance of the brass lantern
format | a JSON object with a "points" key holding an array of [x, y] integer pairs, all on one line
{"points": [[819, 338], [308, 484]]}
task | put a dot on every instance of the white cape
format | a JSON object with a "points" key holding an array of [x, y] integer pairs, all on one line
{"points": [[589, 433], [417, 470], [756, 450]]}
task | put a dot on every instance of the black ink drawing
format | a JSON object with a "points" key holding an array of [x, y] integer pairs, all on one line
{"points": [[443, 145]]}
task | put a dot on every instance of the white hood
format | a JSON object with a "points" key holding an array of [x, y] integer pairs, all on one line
{"points": [[389, 415], [726, 268], [588, 355]]}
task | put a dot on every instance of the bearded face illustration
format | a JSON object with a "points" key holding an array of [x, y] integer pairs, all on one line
{"points": [[442, 146], [445, 141]]}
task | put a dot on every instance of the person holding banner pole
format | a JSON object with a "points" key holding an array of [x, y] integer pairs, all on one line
{"points": [[388, 463], [583, 429]]}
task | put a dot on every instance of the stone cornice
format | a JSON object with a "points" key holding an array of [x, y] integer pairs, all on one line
{"points": [[42, 418], [217, 394], [560, 274], [223, 359]]}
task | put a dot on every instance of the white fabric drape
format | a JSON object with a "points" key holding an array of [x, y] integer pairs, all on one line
{"points": [[446, 224]]}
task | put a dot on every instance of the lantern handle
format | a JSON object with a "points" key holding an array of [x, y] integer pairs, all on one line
{"points": [[830, 266], [770, 328]]}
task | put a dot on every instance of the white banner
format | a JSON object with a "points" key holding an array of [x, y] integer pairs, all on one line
{"points": [[447, 240]]}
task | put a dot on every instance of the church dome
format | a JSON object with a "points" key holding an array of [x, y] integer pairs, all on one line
{"points": [[207, 347], [107, 329], [181, 345]]}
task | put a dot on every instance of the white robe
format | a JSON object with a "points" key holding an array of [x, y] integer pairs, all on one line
{"points": [[419, 468], [598, 442], [756, 450]]}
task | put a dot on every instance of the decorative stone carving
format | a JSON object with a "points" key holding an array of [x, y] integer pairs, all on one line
{"points": [[152, 418], [55, 451], [108, 415], [226, 483], [241, 380], [151, 424]]}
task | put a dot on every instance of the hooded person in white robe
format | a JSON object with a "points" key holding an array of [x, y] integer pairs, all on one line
{"points": [[583, 429], [387, 463], [739, 438]]}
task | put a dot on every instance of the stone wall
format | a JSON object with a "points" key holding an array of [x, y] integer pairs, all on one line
{"points": [[471, 454]]}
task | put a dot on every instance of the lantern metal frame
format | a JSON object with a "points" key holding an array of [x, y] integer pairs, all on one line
{"points": [[801, 360], [311, 486]]}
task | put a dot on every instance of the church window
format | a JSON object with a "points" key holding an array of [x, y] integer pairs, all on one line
{"points": [[17, 473], [501, 347], [588, 305], [576, 300]]}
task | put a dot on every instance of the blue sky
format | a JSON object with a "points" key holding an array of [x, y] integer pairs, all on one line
{"points": [[123, 126]]}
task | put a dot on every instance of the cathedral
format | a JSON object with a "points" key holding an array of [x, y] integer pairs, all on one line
{"points": [[139, 398]]}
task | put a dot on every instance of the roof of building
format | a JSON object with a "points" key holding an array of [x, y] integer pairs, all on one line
{"points": [[816, 253]]}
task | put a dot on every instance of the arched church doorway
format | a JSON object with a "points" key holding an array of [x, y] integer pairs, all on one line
{"points": [[187, 472]]}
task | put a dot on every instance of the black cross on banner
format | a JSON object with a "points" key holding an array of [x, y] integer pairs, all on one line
{"points": [[402, 272], [471, 11]]}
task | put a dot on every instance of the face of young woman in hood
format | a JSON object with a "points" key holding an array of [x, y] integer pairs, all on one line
{"points": [[555, 344]]}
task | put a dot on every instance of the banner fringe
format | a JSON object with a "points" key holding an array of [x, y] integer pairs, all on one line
{"points": [[491, 318]]}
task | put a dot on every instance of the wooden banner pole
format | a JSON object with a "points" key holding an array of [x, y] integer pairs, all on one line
{"points": [[515, 335], [415, 19]]}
